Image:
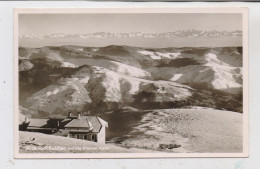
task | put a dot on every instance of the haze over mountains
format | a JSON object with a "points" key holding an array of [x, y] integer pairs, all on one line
{"points": [[183, 38], [54, 80]]}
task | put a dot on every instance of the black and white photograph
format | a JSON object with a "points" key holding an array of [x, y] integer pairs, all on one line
{"points": [[131, 83]]}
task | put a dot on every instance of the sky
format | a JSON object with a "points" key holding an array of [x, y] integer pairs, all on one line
{"points": [[43, 24]]}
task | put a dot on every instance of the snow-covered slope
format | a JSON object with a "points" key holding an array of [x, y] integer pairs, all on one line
{"points": [[59, 98], [39, 142], [113, 65], [159, 55], [25, 65], [83, 78], [211, 70], [203, 130], [96, 84], [67, 64]]}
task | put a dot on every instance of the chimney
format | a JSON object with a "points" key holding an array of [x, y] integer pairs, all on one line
{"points": [[69, 114], [90, 125], [78, 117], [26, 120]]}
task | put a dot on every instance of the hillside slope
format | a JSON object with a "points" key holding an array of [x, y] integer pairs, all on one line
{"points": [[196, 130], [59, 79], [30, 142]]}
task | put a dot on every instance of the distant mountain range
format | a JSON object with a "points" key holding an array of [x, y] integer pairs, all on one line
{"points": [[187, 38], [183, 33]]}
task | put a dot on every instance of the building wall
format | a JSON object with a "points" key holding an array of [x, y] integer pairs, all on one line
{"points": [[101, 136], [85, 136]]}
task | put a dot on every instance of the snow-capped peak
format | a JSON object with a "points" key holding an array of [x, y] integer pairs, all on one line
{"points": [[181, 33]]}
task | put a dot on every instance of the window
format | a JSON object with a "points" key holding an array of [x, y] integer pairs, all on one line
{"points": [[93, 137]]}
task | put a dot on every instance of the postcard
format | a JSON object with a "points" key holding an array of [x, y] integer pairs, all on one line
{"points": [[130, 82]]}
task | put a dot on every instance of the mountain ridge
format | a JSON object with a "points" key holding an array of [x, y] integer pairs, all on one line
{"points": [[191, 38], [183, 33], [105, 79]]}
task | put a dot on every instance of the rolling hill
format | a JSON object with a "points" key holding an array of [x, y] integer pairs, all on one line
{"points": [[54, 80]]}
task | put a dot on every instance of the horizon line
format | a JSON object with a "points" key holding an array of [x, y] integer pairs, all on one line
{"points": [[235, 46], [185, 30]]}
